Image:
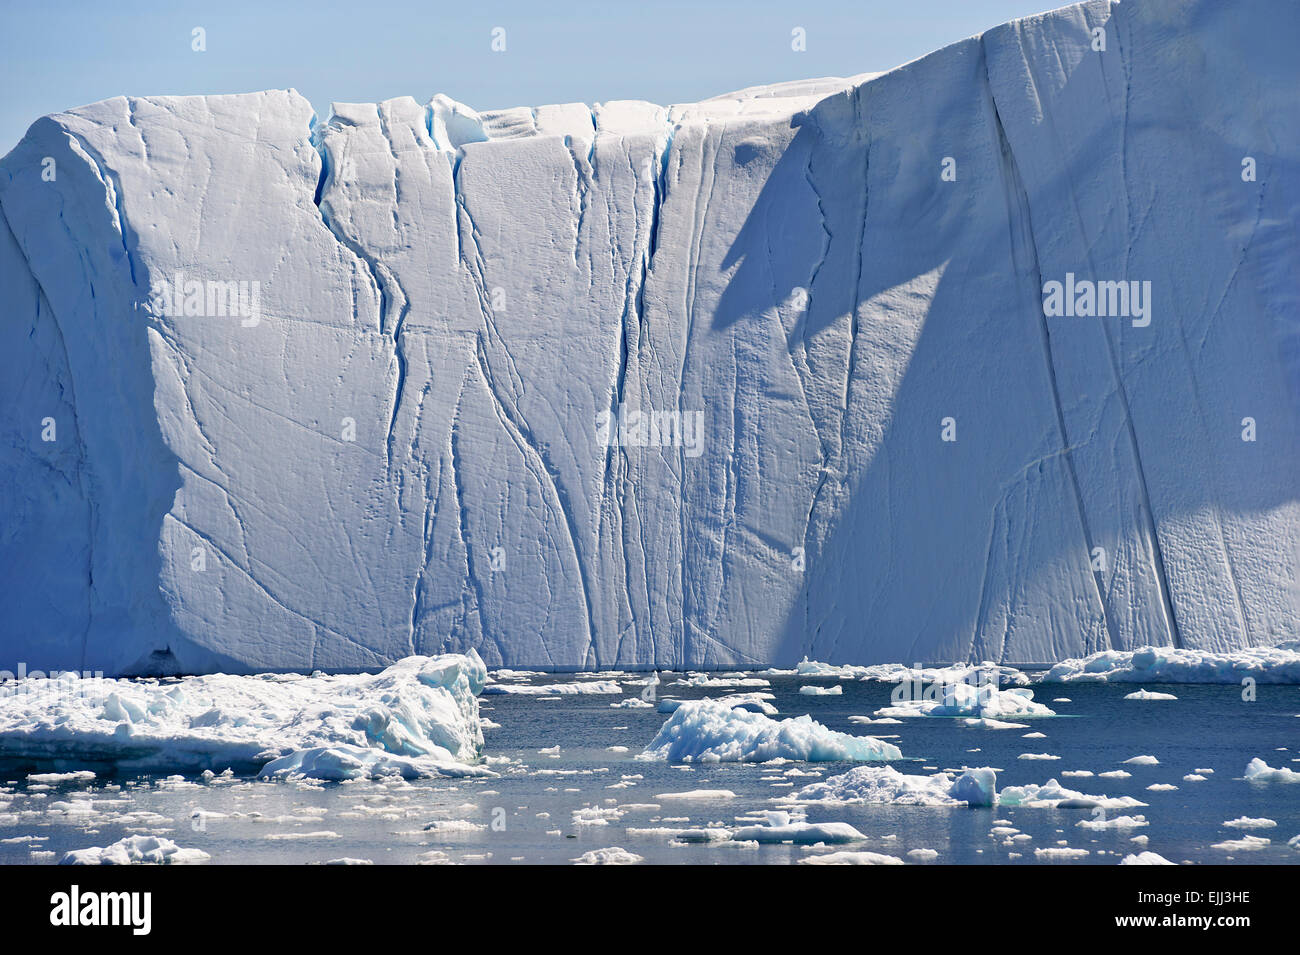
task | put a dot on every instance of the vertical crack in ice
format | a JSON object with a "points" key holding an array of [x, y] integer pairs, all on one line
{"points": [[113, 189], [583, 174], [700, 214], [1024, 247], [513, 422], [837, 469], [661, 186], [462, 516], [1216, 510], [371, 265], [821, 210], [1149, 528]]}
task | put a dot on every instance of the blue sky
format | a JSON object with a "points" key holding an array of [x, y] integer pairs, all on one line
{"points": [[57, 55]]}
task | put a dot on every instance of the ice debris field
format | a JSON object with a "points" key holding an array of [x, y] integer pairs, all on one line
{"points": [[405, 766], [988, 357]]}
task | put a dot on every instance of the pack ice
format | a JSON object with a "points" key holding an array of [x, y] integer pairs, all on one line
{"points": [[990, 357]]}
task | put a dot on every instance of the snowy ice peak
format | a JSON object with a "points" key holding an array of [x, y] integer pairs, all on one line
{"points": [[720, 384]]}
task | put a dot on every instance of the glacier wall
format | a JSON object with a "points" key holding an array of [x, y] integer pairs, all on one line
{"points": [[419, 434]]}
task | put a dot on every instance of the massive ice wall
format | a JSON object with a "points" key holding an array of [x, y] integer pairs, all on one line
{"points": [[289, 394]]}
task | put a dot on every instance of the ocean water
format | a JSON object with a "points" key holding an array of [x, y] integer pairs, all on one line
{"points": [[551, 807]]}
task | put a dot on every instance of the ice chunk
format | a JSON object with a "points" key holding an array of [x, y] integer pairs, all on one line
{"points": [[782, 826], [586, 688], [1259, 771], [1244, 844], [858, 857], [1052, 795], [709, 731], [964, 699], [136, 850], [611, 856], [1247, 822], [1145, 858], [1149, 695], [884, 784], [1279, 664], [1114, 822], [416, 717]]}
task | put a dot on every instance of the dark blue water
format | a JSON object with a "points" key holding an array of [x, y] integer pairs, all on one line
{"points": [[526, 814]]}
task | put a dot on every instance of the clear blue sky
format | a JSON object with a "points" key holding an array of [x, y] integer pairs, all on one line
{"points": [[55, 55]]}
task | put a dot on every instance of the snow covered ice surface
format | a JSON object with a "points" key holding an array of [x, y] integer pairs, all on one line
{"points": [[572, 386], [416, 717]]}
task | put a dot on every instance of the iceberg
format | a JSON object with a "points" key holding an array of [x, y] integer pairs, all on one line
{"points": [[1052, 795], [781, 826], [788, 372], [1279, 664], [418, 717], [136, 850], [710, 731], [1145, 858], [1258, 771], [852, 857], [970, 701], [884, 784]]}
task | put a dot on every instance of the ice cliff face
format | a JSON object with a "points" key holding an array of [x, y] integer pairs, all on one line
{"points": [[288, 394]]}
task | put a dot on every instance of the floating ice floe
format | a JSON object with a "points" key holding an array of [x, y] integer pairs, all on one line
{"points": [[1054, 853], [1052, 795], [580, 688], [722, 681], [699, 794], [884, 784], [810, 690], [757, 702], [970, 700], [1142, 761], [1149, 695], [982, 673], [709, 731], [1116, 822], [136, 850], [1172, 665], [80, 776], [1244, 844], [416, 717], [1259, 771], [633, 703], [989, 724], [1145, 858], [852, 858], [782, 826], [611, 856], [1246, 822]]}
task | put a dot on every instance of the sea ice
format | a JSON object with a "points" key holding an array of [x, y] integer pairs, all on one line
{"points": [[136, 850], [416, 717], [885, 784], [708, 731]]}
